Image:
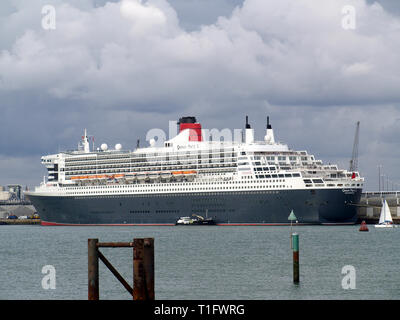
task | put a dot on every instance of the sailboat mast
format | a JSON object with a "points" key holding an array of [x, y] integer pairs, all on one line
{"points": [[384, 210]]}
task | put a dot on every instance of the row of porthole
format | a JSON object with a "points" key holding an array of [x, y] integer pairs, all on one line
{"points": [[181, 189]]}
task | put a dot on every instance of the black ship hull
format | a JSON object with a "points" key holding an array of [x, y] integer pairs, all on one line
{"points": [[316, 206]]}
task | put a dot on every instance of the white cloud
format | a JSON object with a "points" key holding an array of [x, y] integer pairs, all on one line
{"points": [[283, 52], [144, 16]]}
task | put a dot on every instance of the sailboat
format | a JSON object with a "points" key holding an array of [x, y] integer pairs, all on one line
{"points": [[385, 219]]}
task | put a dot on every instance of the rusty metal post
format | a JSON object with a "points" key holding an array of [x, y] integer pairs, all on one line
{"points": [[148, 263], [93, 270], [139, 283], [143, 269]]}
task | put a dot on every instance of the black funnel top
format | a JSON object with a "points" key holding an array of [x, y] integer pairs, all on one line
{"points": [[247, 123], [268, 125], [187, 120]]}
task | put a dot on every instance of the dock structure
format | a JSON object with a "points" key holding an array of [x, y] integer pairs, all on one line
{"points": [[19, 221], [17, 208], [143, 267], [371, 202]]}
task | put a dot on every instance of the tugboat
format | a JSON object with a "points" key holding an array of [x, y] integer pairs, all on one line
{"points": [[197, 220]]}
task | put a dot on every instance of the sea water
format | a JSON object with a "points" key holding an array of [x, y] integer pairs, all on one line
{"points": [[205, 262]]}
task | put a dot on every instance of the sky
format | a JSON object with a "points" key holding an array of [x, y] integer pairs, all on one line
{"points": [[121, 68]]}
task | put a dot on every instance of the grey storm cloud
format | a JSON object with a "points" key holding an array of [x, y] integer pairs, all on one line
{"points": [[135, 53], [122, 67]]}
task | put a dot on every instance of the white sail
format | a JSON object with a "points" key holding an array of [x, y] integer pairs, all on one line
{"points": [[385, 213]]}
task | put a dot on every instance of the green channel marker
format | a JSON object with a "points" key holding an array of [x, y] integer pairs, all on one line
{"points": [[296, 271]]}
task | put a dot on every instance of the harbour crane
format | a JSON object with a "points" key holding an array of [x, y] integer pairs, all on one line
{"points": [[354, 157]]}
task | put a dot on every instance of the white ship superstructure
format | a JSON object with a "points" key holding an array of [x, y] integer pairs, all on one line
{"points": [[188, 164]]}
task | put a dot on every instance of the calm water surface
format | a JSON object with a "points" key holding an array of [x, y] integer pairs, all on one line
{"points": [[205, 262]]}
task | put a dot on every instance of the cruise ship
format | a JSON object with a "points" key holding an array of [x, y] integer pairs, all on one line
{"points": [[244, 182]]}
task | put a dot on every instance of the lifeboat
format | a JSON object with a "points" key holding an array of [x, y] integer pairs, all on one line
{"points": [[166, 175], [141, 176], [189, 173], [130, 176], [177, 175], [79, 177], [154, 175]]}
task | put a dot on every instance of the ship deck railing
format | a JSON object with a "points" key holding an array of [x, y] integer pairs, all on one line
{"points": [[381, 194]]}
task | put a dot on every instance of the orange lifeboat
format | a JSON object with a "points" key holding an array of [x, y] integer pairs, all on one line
{"points": [[191, 172], [79, 177]]}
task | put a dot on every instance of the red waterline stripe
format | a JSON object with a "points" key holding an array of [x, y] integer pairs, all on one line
{"points": [[46, 223], [258, 224], [339, 224], [285, 224]]}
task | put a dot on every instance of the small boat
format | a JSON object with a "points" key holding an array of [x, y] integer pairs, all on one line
{"points": [[184, 221], [385, 219], [197, 220]]}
